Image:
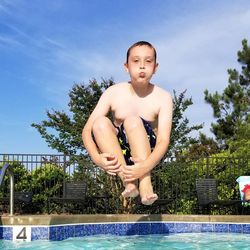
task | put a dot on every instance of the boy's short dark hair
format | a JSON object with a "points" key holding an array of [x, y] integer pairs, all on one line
{"points": [[141, 43]]}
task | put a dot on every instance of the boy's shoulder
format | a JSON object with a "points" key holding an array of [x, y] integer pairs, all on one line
{"points": [[162, 92], [120, 85], [117, 87]]}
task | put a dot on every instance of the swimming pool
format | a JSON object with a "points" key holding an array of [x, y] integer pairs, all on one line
{"points": [[171, 241]]}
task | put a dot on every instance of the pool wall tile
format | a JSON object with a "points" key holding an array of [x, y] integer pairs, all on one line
{"points": [[101, 229], [182, 228], [93, 229], [157, 228], [221, 228], [86, 230], [246, 228], [61, 232], [53, 233], [235, 228], [132, 229], [121, 229], [110, 228], [89, 230], [69, 231], [207, 227], [144, 228], [195, 227], [79, 231], [6, 233], [39, 233], [97, 229], [168, 228]]}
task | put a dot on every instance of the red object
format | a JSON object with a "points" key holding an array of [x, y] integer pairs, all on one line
{"points": [[246, 187]]}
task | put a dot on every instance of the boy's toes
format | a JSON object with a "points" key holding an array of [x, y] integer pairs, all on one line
{"points": [[134, 193], [130, 193], [125, 193], [149, 199]]}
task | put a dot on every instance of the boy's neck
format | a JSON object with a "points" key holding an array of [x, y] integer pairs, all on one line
{"points": [[141, 90]]}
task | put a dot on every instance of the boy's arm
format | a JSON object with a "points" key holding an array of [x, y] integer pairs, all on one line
{"points": [[136, 171]]}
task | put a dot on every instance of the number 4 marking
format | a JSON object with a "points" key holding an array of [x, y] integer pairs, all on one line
{"points": [[22, 234]]}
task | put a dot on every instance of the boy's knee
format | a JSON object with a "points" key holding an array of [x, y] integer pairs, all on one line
{"points": [[101, 124], [132, 122]]}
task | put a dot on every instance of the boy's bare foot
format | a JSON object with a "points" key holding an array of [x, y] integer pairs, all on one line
{"points": [[149, 199], [131, 190]]}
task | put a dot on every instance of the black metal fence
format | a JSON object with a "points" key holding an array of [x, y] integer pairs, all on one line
{"points": [[173, 180]]}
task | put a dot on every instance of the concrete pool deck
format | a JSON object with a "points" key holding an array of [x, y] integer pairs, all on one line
{"points": [[49, 220]]}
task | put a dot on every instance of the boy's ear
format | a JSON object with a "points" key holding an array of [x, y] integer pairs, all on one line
{"points": [[126, 67], [156, 67]]}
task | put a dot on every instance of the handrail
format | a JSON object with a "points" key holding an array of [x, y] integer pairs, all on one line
{"points": [[7, 169]]}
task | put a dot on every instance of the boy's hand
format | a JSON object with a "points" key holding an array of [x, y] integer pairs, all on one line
{"points": [[133, 172], [109, 163]]}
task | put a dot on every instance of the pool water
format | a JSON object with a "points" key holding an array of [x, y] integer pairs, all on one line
{"points": [[204, 241]]}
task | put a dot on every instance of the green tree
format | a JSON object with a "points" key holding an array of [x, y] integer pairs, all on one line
{"points": [[47, 181], [67, 129], [180, 135], [232, 106], [240, 144], [22, 177], [204, 147]]}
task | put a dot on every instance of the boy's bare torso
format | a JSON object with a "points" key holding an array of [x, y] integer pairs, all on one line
{"points": [[124, 102]]}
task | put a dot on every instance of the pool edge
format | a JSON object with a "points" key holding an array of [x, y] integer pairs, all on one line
{"points": [[48, 220], [61, 227]]}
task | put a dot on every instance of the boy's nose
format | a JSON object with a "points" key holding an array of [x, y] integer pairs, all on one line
{"points": [[142, 66]]}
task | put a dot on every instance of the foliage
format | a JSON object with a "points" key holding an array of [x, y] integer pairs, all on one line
{"points": [[232, 106], [98, 182], [173, 180], [22, 178], [180, 134], [240, 144], [47, 181], [66, 136], [204, 147]]}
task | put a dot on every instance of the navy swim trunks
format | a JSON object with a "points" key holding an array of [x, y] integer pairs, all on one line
{"points": [[122, 138]]}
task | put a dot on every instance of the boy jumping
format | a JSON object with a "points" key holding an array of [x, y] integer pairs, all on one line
{"points": [[138, 137]]}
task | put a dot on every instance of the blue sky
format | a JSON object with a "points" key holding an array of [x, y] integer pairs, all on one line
{"points": [[47, 46]]}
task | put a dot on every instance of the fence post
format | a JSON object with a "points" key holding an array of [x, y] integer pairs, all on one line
{"points": [[207, 167], [64, 174]]}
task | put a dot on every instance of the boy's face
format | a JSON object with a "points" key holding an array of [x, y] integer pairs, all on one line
{"points": [[141, 64]]}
